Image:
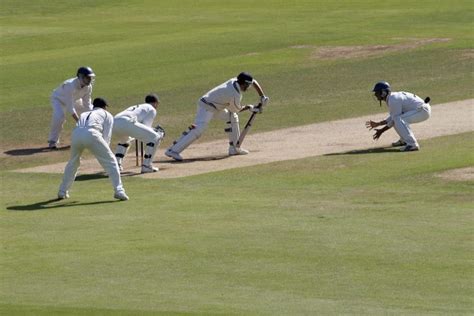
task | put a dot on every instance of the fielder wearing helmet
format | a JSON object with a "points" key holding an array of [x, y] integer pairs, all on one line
{"points": [[73, 97], [86, 75], [381, 91], [405, 108]]}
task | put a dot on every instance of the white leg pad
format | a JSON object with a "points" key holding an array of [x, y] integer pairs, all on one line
{"points": [[186, 139], [232, 126]]}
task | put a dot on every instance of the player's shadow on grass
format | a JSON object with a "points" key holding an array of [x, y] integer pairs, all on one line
{"points": [[378, 150], [54, 203], [103, 175], [93, 176], [32, 151], [190, 160]]}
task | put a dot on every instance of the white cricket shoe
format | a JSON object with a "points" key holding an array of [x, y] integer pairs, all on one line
{"points": [[233, 151], [174, 155], [52, 145], [399, 143], [149, 169], [410, 148], [120, 195], [63, 195]]}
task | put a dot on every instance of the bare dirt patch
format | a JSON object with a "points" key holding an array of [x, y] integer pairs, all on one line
{"points": [[335, 137], [462, 174], [349, 52], [467, 53]]}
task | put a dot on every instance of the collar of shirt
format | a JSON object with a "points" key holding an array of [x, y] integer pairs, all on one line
{"points": [[236, 86], [77, 83]]}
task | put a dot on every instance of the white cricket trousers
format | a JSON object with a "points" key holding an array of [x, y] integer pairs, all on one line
{"points": [[89, 138], [124, 128], [402, 123], [59, 117], [205, 113]]}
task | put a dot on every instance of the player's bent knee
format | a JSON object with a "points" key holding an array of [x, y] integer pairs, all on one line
{"points": [[399, 121]]}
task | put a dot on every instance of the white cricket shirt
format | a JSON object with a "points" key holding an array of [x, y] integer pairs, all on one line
{"points": [[70, 91], [98, 119], [225, 96], [402, 102], [143, 113]]}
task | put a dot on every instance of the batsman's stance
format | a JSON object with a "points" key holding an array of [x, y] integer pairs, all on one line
{"points": [[72, 96], [135, 122], [405, 108], [224, 102], [93, 132]]}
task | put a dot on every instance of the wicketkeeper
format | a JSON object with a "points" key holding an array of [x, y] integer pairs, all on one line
{"points": [[135, 123], [405, 108], [223, 102]]}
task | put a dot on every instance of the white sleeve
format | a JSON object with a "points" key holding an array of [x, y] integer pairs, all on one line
{"points": [[108, 124], [150, 116], [70, 102], [395, 111], [87, 99]]}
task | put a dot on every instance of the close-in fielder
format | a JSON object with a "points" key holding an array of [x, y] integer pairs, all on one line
{"points": [[93, 132], [135, 123], [223, 102], [405, 108], [72, 96]]}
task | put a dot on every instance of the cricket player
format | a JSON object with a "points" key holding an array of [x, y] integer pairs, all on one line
{"points": [[223, 102], [73, 96], [93, 131], [135, 123], [405, 108]]}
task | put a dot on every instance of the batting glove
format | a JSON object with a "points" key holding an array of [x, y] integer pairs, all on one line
{"points": [[264, 100], [255, 109]]}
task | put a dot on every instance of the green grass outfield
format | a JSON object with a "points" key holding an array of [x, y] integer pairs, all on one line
{"points": [[333, 234], [372, 233]]}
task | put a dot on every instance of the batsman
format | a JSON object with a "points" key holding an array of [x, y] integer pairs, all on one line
{"points": [[222, 102]]}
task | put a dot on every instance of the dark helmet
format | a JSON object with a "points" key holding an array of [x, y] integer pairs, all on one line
{"points": [[381, 91], [381, 86], [85, 71], [100, 103], [245, 78]]}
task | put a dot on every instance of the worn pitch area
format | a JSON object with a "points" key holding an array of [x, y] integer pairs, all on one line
{"points": [[341, 136]]}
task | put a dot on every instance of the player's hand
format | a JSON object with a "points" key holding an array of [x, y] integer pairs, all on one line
{"points": [[371, 124], [264, 100], [378, 133]]}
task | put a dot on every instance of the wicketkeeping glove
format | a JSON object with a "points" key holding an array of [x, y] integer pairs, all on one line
{"points": [[160, 129]]}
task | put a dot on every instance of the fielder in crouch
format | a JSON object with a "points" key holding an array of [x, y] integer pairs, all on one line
{"points": [[405, 108], [72, 96], [224, 102], [135, 122], [93, 132]]}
